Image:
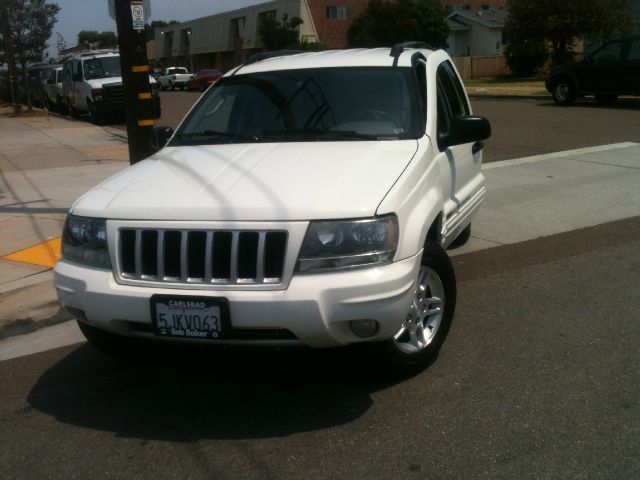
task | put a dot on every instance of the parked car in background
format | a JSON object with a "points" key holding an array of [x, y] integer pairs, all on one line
{"points": [[37, 76], [174, 77], [610, 71], [54, 93], [203, 79]]}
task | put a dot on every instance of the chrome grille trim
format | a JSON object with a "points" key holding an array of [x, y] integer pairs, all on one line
{"points": [[194, 251]]}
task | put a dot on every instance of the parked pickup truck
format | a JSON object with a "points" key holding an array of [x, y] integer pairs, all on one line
{"points": [[173, 77]]}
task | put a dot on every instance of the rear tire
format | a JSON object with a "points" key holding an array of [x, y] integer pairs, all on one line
{"points": [[429, 317], [564, 92]]}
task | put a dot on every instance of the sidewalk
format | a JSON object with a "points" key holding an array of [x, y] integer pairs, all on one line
{"points": [[46, 163]]}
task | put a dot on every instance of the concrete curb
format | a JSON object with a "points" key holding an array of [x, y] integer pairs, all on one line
{"points": [[508, 96]]}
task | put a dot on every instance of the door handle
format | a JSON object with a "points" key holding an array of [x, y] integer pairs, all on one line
{"points": [[477, 147]]}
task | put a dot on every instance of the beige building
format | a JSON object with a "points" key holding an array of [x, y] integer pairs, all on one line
{"points": [[226, 39]]}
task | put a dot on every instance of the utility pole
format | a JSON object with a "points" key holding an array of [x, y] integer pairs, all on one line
{"points": [[135, 79], [8, 52]]}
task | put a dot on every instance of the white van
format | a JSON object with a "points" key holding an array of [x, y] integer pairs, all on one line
{"points": [[92, 83]]}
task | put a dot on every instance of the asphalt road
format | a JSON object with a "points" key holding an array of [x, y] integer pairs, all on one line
{"points": [[539, 378], [521, 127]]}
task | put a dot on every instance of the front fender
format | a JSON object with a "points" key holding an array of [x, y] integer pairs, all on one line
{"points": [[417, 199]]}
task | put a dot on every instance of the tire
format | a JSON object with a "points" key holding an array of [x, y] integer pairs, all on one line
{"points": [[606, 99], [115, 346], [414, 347], [93, 115], [462, 238], [74, 112], [563, 92], [61, 107]]}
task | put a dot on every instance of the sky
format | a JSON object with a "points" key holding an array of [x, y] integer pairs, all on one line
{"points": [[78, 15]]}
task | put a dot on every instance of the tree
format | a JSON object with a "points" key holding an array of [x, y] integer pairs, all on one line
{"points": [[387, 23], [277, 35], [31, 23], [560, 23], [98, 40]]}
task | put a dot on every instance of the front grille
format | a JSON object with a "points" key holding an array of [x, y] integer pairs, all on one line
{"points": [[113, 92], [221, 257]]}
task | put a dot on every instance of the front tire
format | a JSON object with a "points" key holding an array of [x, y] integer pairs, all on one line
{"points": [[564, 92], [429, 316]]}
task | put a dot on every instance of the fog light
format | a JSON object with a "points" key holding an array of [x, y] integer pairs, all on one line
{"points": [[364, 328]]}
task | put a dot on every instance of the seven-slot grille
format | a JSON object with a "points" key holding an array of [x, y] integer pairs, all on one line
{"points": [[224, 257]]}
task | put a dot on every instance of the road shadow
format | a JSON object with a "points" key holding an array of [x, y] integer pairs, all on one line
{"points": [[230, 394]]}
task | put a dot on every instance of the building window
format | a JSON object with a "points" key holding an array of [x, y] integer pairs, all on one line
{"points": [[237, 28], [337, 12], [266, 16]]}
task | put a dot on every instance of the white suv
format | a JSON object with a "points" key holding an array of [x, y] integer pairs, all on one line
{"points": [[305, 200]]}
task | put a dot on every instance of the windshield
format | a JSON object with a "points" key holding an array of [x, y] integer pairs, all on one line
{"points": [[173, 71], [327, 104], [101, 67]]}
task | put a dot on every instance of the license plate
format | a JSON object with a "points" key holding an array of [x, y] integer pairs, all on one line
{"points": [[189, 317]]}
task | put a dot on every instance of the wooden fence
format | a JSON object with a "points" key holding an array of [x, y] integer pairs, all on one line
{"points": [[481, 67]]}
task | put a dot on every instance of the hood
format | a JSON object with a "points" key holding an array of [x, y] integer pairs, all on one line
{"points": [[268, 181], [102, 82]]}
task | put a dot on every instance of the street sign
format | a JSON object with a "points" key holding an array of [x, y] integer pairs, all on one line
{"points": [[146, 7], [137, 15]]}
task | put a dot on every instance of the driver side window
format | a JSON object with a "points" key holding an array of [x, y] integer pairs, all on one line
{"points": [[452, 102], [608, 53]]}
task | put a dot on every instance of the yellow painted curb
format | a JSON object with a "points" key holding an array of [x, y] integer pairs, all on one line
{"points": [[45, 254]]}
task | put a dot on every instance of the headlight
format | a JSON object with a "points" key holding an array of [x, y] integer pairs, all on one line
{"points": [[96, 93], [84, 240], [343, 244]]}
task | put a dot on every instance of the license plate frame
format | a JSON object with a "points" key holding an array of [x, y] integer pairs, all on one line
{"points": [[190, 317]]}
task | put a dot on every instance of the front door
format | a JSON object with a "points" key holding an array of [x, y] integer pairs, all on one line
{"points": [[462, 162]]}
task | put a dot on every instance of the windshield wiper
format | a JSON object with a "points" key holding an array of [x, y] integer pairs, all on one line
{"points": [[214, 133], [317, 132]]}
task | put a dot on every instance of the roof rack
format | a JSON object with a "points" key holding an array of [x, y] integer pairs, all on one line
{"points": [[258, 57], [398, 48]]}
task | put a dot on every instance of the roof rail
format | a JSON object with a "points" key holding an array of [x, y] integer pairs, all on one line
{"points": [[258, 57], [398, 48]]}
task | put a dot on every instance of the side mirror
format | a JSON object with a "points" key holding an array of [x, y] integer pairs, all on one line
{"points": [[465, 129], [160, 136]]}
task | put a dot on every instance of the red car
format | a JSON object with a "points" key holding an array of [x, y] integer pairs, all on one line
{"points": [[203, 79]]}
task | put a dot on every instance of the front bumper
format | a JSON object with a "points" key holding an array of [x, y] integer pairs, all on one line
{"points": [[316, 309]]}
